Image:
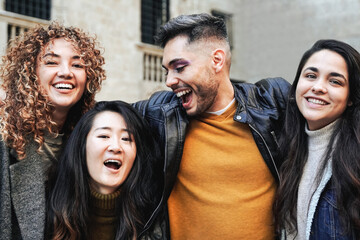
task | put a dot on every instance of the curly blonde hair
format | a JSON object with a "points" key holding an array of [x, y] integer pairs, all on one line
{"points": [[26, 112]]}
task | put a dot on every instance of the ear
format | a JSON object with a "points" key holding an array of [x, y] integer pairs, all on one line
{"points": [[218, 59], [350, 103]]}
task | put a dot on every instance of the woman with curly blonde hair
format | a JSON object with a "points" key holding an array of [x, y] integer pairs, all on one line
{"points": [[49, 77]]}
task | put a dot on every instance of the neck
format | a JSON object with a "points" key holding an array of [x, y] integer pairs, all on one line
{"points": [[59, 117], [225, 95]]}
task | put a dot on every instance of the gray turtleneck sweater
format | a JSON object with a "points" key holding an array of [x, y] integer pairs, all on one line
{"points": [[310, 187]]}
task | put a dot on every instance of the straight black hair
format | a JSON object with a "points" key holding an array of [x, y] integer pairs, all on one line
{"points": [[69, 183]]}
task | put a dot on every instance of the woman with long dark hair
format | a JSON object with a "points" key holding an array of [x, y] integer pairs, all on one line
{"points": [[105, 185], [319, 192]]}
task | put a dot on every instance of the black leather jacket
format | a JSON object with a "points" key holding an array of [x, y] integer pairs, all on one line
{"points": [[261, 106]]}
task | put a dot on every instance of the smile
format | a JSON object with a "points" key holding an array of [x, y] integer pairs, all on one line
{"points": [[114, 164], [182, 93], [64, 86], [316, 101]]}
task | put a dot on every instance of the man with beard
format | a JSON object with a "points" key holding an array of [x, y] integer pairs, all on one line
{"points": [[218, 137]]}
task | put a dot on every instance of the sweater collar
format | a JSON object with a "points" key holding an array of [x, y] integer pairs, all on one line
{"points": [[104, 201], [319, 139]]}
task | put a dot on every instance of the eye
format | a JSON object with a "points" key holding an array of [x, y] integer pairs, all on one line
{"points": [[336, 82], [127, 139], [180, 69], [103, 136], [310, 75], [78, 65], [50, 63]]}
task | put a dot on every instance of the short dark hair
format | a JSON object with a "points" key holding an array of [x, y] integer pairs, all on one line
{"points": [[195, 26]]}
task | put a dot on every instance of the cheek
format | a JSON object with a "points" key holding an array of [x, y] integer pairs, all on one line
{"points": [[341, 100], [301, 89], [131, 157], [42, 77], [93, 152], [82, 81]]}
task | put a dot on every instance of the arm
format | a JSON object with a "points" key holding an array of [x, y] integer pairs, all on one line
{"points": [[274, 91]]}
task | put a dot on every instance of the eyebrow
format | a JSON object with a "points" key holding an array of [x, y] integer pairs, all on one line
{"points": [[334, 74], [314, 69], [57, 55], [109, 128], [102, 128], [174, 61]]}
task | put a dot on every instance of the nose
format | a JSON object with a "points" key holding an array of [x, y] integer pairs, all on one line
{"points": [[65, 72], [115, 146], [319, 87], [171, 81]]}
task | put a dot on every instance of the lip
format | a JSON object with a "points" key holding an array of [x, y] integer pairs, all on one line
{"points": [[316, 98], [64, 85], [178, 89], [315, 102], [187, 105], [182, 92], [112, 169]]}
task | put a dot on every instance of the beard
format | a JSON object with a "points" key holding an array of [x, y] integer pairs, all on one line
{"points": [[206, 95]]}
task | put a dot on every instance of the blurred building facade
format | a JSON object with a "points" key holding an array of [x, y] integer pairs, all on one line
{"points": [[267, 37]]}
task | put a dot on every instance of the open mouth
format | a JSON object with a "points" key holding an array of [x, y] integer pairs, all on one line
{"points": [[184, 95], [113, 164], [63, 86]]}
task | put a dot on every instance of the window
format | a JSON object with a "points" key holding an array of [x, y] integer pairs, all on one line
{"points": [[154, 13], [13, 30], [228, 22], [33, 8]]}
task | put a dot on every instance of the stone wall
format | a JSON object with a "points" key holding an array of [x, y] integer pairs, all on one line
{"points": [[269, 37]]}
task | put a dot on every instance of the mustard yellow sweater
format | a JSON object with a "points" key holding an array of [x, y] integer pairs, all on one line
{"points": [[224, 190]]}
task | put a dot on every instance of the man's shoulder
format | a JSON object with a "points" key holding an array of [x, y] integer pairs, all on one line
{"points": [[162, 97], [276, 86], [276, 82], [270, 92], [158, 100]]}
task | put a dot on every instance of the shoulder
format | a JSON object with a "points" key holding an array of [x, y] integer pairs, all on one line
{"points": [[274, 84], [156, 101], [162, 97], [267, 84], [270, 92], [3, 149]]}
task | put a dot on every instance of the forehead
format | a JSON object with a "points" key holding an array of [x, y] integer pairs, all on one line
{"points": [[327, 60], [178, 48], [109, 119], [60, 45]]}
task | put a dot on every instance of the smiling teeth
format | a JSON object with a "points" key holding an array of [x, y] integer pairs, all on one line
{"points": [[316, 101], [113, 164], [63, 85], [182, 93], [113, 161]]}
